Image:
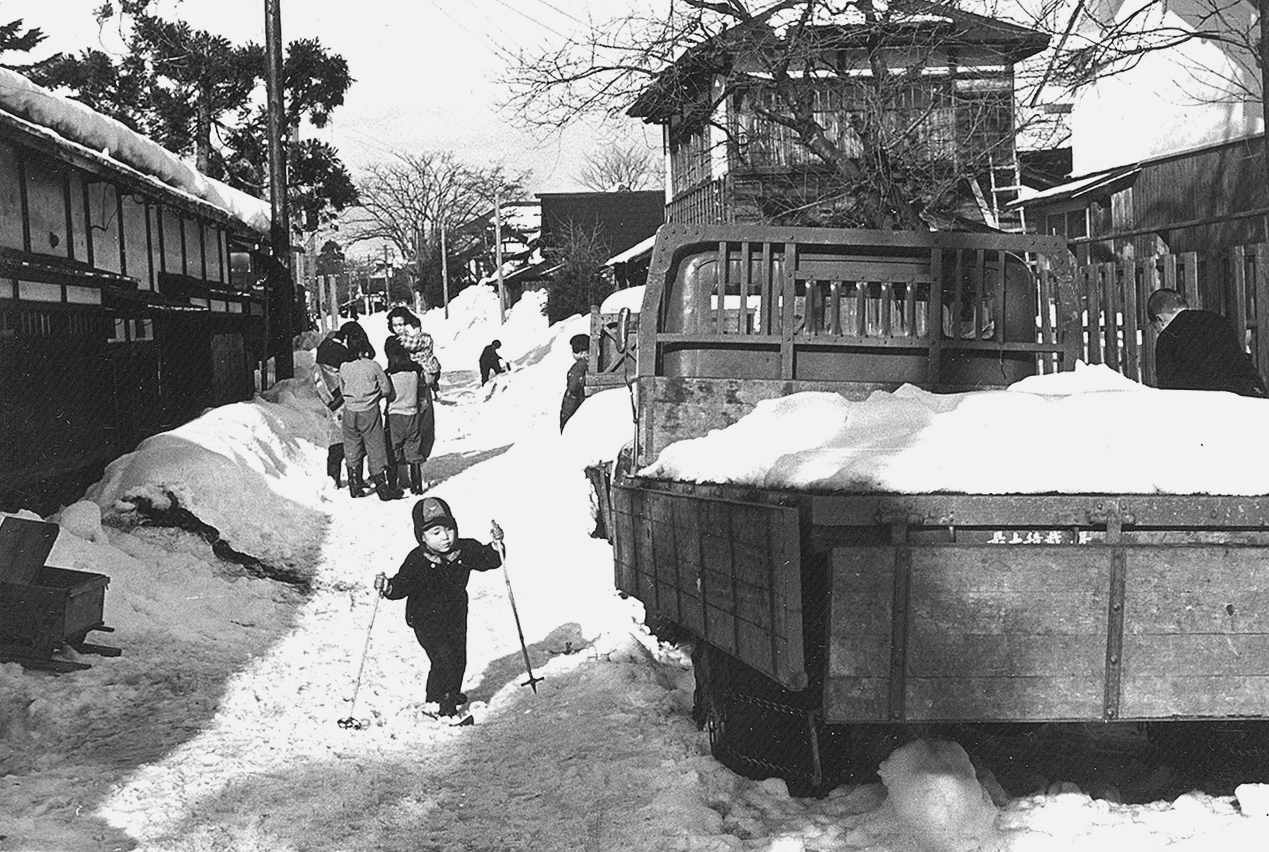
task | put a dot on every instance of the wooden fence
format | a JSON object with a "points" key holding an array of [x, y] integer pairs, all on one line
{"points": [[1117, 332]]}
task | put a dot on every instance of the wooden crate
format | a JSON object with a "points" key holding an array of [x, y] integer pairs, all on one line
{"points": [[42, 607]]}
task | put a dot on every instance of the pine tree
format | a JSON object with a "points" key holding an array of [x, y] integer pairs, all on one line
{"points": [[195, 93]]}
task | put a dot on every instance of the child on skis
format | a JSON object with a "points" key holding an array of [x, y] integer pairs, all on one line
{"points": [[433, 580]]}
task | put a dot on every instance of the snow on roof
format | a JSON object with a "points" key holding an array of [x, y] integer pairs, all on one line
{"points": [[1079, 186], [640, 248], [79, 125]]}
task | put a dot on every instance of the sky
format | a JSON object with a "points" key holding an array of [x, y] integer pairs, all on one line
{"points": [[426, 72], [217, 727]]}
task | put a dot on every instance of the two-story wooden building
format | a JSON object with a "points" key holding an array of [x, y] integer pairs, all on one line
{"points": [[129, 292], [947, 99]]}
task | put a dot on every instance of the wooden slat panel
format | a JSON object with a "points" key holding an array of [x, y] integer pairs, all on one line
{"points": [[856, 699], [1048, 296], [993, 633], [1261, 317], [1200, 695], [728, 570], [720, 289], [857, 682], [1040, 654], [1003, 699], [1196, 655], [1133, 321], [1094, 289], [1189, 261], [1196, 632], [1115, 323], [1238, 291], [664, 556]]}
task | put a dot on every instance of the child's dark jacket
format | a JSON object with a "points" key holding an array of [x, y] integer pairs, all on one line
{"points": [[436, 587]]}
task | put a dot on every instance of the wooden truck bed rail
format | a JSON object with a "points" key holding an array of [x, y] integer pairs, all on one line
{"points": [[733, 315]]}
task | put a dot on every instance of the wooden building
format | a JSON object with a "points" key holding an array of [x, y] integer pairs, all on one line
{"points": [[1205, 199], [1199, 204], [618, 220], [949, 98], [127, 305]]}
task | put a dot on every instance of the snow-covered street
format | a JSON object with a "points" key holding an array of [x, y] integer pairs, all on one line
{"points": [[217, 728]]}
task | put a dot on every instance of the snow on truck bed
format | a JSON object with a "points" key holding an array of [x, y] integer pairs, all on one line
{"points": [[1090, 430]]}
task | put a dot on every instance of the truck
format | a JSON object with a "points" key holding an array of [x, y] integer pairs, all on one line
{"points": [[826, 622]]}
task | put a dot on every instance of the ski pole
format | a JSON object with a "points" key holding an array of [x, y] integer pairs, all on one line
{"points": [[524, 651], [351, 721]]}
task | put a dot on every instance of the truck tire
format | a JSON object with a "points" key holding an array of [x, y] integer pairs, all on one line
{"points": [[759, 730]]}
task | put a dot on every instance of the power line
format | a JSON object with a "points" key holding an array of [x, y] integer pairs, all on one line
{"points": [[493, 47], [534, 20]]}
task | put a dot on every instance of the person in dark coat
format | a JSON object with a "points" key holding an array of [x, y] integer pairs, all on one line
{"points": [[1198, 350], [491, 363], [331, 354], [575, 381], [433, 580]]}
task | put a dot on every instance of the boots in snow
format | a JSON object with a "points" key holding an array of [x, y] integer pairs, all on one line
{"points": [[335, 463], [417, 484], [401, 476], [385, 489], [449, 705], [356, 485]]}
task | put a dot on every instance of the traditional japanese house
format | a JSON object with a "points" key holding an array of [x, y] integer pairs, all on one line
{"points": [[130, 295], [947, 99]]}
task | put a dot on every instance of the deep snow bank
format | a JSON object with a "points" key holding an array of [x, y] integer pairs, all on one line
{"points": [[1086, 431], [228, 469]]}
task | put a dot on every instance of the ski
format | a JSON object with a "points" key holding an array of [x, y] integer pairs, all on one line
{"points": [[462, 720]]}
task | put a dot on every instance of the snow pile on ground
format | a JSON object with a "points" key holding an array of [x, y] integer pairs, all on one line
{"points": [[231, 467], [1086, 431]]}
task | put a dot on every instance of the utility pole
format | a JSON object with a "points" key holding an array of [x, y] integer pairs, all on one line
{"points": [[440, 220], [502, 289], [280, 300]]}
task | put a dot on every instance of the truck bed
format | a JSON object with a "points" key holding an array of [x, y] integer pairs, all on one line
{"points": [[962, 607]]}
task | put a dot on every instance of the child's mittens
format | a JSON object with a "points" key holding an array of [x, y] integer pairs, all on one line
{"points": [[382, 586]]}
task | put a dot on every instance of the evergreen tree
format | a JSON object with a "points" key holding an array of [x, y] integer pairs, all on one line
{"points": [[16, 38], [198, 95]]}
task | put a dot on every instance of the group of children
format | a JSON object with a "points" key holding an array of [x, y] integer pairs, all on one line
{"points": [[433, 578], [384, 418]]}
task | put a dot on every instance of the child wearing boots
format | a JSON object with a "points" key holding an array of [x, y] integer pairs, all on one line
{"points": [[411, 429], [364, 384], [433, 580]]}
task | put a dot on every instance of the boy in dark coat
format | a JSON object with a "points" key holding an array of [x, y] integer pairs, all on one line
{"points": [[575, 381], [433, 579]]}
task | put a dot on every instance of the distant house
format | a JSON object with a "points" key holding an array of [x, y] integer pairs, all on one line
{"points": [[129, 297], [728, 161], [618, 219]]}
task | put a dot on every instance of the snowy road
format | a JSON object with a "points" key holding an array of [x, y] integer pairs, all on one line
{"points": [[217, 727]]}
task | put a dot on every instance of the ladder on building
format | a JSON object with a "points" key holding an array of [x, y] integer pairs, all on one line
{"points": [[1005, 185]]}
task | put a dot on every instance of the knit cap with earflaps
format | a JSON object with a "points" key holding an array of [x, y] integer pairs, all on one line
{"points": [[431, 512]]}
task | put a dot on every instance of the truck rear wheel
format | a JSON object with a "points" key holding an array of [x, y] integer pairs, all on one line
{"points": [[759, 730]]}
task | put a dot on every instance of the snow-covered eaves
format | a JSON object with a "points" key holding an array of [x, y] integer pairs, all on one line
{"points": [[75, 130], [636, 251], [1106, 181]]}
